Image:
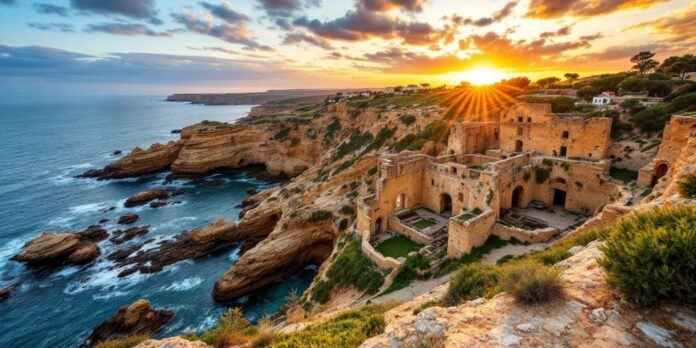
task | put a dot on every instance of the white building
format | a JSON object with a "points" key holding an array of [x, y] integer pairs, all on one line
{"points": [[603, 99]]}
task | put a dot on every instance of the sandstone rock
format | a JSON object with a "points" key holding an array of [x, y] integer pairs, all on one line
{"points": [[54, 249], [136, 319], [172, 342], [84, 254], [156, 158], [124, 236], [93, 234], [145, 197], [252, 190], [128, 219]]}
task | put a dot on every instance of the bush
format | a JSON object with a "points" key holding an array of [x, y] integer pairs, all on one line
{"points": [[232, 329], [282, 134], [471, 282], [123, 342], [542, 174], [530, 282], [351, 267], [651, 257], [408, 271], [320, 215], [687, 186], [652, 119], [407, 119]]}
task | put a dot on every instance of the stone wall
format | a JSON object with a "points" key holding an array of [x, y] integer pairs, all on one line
{"points": [[466, 235], [536, 129], [530, 236], [397, 226], [674, 138], [382, 261], [473, 137]]}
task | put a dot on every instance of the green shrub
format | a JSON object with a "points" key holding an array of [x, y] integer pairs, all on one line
{"points": [[349, 329], [407, 119], [623, 175], [687, 186], [652, 119], [356, 142], [542, 174], [351, 267], [333, 128], [232, 329], [651, 257], [408, 271], [123, 342], [471, 282], [320, 215], [382, 136], [347, 210], [282, 134], [343, 224], [530, 282], [372, 171]]}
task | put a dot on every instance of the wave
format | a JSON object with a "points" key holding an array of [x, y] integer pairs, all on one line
{"points": [[186, 284], [110, 294]]}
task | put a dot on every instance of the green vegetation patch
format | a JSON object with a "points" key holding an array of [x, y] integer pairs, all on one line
{"points": [[437, 131], [471, 282], [123, 342], [623, 175], [351, 267], [356, 142], [320, 215], [651, 257], [408, 272], [282, 134], [542, 174], [468, 215], [398, 246], [476, 254], [687, 186], [424, 223]]}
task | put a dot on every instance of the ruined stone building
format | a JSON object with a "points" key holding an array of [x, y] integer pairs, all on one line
{"points": [[489, 171], [674, 137]]}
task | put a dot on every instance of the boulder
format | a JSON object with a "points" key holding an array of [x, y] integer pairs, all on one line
{"points": [[136, 319], [128, 219], [93, 234], [145, 197], [158, 203], [56, 249], [120, 236]]}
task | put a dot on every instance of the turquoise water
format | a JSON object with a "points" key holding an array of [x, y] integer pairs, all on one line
{"points": [[44, 142]]}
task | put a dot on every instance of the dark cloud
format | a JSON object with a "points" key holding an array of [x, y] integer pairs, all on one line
{"points": [[286, 8], [297, 37], [51, 9], [563, 31], [125, 29], [389, 5], [226, 13], [680, 27], [362, 24], [8, 2], [237, 34], [584, 8], [44, 64], [496, 17], [60, 27], [136, 9]]}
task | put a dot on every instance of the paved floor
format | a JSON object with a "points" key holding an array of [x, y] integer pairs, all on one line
{"points": [[559, 218]]}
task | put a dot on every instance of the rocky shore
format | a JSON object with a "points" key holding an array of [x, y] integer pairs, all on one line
{"points": [[57, 249]]}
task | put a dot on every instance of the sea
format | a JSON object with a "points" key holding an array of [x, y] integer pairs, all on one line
{"points": [[45, 141]]}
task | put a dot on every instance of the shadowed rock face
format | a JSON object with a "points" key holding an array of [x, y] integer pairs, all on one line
{"points": [[136, 319], [281, 254], [156, 158]]}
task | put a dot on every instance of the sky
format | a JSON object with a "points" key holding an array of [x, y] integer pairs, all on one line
{"points": [[168, 46]]}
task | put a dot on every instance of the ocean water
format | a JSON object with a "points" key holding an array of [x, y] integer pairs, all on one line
{"points": [[44, 142]]}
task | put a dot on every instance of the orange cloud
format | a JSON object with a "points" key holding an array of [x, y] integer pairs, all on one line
{"points": [[680, 27], [584, 8]]}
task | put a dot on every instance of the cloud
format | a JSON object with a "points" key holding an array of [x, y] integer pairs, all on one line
{"points": [[496, 17], [390, 5], [51, 9], [226, 12], [43, 64], [297, 37], [136, 9], [237, 34], [8, 2], [584, 8], [563, 31], [286, 8], [362, 24], [60, 27], [679, 27], [126, 29]]}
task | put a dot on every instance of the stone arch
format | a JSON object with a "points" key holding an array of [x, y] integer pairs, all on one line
{"points": [[519, 145], [517, 197], [445, 204], [661, 170]]}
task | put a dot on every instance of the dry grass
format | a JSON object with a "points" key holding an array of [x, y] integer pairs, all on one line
{"points": [[530, 282]]}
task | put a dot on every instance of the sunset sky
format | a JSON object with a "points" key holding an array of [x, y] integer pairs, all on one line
{"points": [[163, 46]]}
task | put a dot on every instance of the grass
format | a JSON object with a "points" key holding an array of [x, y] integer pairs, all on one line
{"points": [[623, 175], [123, 342], [467, 215], [398, 246], [424, 223], [530, 282], [687, 186], [351, 267], [408, 271], [476, 254]]}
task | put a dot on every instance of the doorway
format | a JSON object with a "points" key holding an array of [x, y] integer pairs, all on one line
{"points": [[445, 204], [518, 145], [564, 151], [660, 171], [378, 226], [559, 197], [517, 195]]}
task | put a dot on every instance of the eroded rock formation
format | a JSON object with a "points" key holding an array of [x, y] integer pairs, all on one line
{"points": [[55, 249], [146, 197], [136, 319], [156, 158]]}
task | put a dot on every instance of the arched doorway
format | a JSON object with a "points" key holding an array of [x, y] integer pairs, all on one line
{"points": [[518, 145], [517, 196], [445, 204], [660, 171], [559, 197], [378, 226]]}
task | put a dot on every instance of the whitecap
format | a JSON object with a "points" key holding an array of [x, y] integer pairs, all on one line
{"points": [[91, 207], [81, 166], [234, 254], [206, 324], [10, 249], [110, 295], [186, 284]]}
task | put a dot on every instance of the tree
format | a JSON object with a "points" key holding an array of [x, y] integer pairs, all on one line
{"points": [[571, 77], [587, 92], [547, 82], [643, 62], [520, 82], [425, 85], [679, 65], [632, 84]]}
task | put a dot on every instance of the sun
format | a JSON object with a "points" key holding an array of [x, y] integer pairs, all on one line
{"points": [[481, 76]]}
